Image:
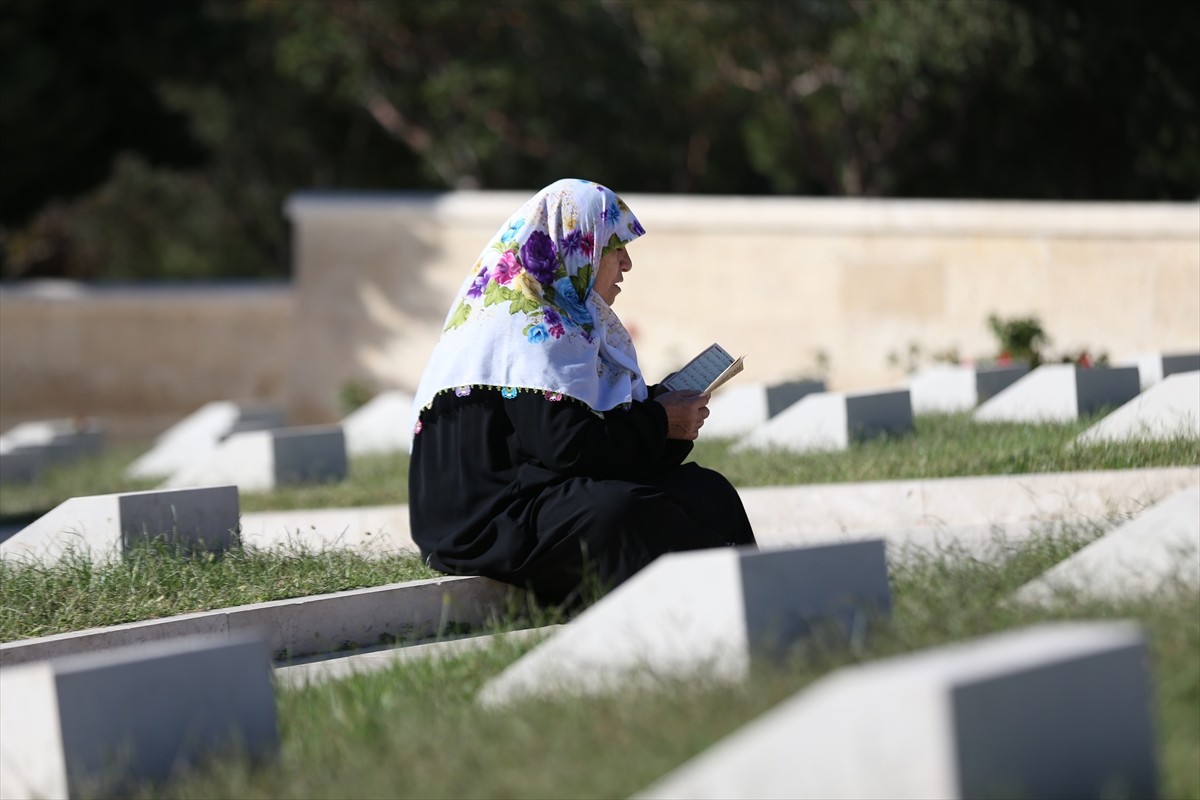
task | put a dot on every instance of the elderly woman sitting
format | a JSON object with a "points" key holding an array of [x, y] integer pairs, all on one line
{"points": [[540, 457]]}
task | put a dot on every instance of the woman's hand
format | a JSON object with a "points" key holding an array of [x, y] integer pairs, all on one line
{"points": [[686, 412]]}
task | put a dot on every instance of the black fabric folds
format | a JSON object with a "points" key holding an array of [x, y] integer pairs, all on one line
{"points": [[541, 493]]}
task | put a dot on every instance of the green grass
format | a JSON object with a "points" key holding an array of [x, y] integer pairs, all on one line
{"points": [[415, 731], [73, 594], [946, 446], [942, 446]]}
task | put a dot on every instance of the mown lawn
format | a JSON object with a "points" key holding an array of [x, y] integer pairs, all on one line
{"points": [[415, 730], [942, 446]]}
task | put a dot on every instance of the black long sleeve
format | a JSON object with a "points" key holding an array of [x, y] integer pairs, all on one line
{"points": [[571, 439]]}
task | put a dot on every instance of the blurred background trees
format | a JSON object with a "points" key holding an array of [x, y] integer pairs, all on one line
{"points": [[151, 140]]}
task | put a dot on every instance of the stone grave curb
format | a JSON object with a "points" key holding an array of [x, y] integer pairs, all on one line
{"points": [[809, 514], [335, 668], [302, 626]]}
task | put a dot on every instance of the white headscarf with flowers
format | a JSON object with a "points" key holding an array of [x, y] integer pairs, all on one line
{"points": [[526, 317]]}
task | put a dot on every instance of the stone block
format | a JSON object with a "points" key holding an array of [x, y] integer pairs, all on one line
{"points": [[1057, 711], [49, 442], [737, 410], [367, 530], [1154, 367], [98, 724], [193, 438], [832, 421], [259, 461], [1157, 550], [1167, 409], [107, 526], [304, 626], [913, 511], [382, 425], [952, 388], [1061, 393], [22, 465], [704, 612]]}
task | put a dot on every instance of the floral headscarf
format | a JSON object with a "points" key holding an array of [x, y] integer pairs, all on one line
{"points": [[526, 317]]}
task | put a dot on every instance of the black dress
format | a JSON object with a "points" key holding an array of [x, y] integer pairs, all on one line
{"points": [[543, 494]]}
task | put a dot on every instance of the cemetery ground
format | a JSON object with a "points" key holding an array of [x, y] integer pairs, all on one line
{"points": [[415, 729]]}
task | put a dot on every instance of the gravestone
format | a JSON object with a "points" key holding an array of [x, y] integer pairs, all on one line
{"points": [[1168, 409], [193, 438], [26, 450], [1058, 710], [1154, 367], [705, 612], [952, 388], [1157, 550], [382, 425], [260, 461], [99, 723], [105, 527], [1061, 393], [22, 466], [832, 421], [736, 410]]}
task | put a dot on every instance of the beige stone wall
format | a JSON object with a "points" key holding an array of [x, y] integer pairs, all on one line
{"points": [[778, 279], [139, 358]]}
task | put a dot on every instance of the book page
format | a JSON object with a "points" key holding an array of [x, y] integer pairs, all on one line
{"points": [[705, 372]]}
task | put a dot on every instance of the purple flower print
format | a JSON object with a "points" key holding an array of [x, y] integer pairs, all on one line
{"points": [[557, 331], [507, 268], [539, 256], [479, 284], [552, 317], [636, 227], [574, 241]]}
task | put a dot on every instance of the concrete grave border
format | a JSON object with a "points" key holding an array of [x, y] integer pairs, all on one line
{"points": [[302, 626]]}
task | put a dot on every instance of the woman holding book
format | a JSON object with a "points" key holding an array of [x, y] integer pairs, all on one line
{"points": [[540, 456]]}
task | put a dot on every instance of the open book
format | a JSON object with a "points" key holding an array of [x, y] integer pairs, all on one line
{"points": [[706, 372]]}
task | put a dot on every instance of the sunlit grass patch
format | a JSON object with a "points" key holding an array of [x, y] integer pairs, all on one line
{"points": [[415, 729], [74, 594]]}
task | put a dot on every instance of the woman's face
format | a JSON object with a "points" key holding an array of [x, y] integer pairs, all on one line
{"points": [[613, 266]]}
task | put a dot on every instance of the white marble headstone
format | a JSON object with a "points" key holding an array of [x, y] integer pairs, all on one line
{"points": [[105, 527], [1061, 393], [100, 723], [1059, 710], [704, 612], [832, 421]]}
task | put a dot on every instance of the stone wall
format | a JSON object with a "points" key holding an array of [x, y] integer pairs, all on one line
{"points": [[779, 279], [140, 358]]}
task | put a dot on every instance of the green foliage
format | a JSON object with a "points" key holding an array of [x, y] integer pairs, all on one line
{"points": [[1021, 338], [354, 394], [928, 98]]}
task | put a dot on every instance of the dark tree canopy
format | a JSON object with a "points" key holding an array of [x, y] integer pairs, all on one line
{"points": [[146, 139]]}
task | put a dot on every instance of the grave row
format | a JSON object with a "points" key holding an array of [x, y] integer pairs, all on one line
{"points": [[982, 515], [1009, 713], [831, 421], [249, 447], [28, 449]]}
